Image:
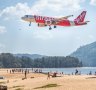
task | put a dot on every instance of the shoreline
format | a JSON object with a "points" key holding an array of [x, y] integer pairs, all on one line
{"points": [[14, 81]]}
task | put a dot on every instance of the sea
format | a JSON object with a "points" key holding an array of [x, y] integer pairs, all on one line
{"points": [[81, 70]]}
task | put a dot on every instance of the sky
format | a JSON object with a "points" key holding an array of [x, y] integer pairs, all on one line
{"points": [[17, 37]]}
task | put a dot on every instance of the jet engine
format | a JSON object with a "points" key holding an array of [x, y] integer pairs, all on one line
{"points": [[41, 25]]}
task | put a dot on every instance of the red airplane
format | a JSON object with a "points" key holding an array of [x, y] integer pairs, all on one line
{"points": [[49, 21]]}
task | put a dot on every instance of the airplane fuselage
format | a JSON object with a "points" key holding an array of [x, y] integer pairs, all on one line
{"points": [[42, 19], [63, 21]]}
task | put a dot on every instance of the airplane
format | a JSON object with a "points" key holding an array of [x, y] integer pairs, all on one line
{"points": [[44, 21]]}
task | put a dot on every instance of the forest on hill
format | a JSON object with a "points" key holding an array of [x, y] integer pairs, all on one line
{"points": [[8, 60]]}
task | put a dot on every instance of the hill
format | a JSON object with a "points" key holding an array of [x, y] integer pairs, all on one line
{"points": [[86, 54], [32, 56], [8, 60]]}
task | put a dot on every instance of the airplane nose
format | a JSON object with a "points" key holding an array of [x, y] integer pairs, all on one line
{"points": [[22, 18]]}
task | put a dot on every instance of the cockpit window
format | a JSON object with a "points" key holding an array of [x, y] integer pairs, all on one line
{"points": [[26, 15], [29, 16]]}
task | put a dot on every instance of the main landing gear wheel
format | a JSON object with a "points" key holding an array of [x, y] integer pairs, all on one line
{"points": [[50, 28], [38, 24], [54, 26]]}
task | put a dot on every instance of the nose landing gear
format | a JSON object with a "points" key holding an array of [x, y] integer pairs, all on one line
{"points": [[50, 28], [30, 24]]}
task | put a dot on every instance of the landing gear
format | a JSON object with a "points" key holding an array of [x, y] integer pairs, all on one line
{"points": [[38, 24], [30, 24], [50, 28], [54, 26]]}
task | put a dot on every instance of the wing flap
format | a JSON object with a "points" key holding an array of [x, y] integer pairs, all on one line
{"points": [[66, 17]]}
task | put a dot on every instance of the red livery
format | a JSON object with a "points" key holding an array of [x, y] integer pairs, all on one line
{"points": [[49, 21]]}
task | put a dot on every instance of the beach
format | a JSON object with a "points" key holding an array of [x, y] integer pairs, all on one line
{"points": [[36, 81]]}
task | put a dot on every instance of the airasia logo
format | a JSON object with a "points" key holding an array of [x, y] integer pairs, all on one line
{"points": [[81, 17]]}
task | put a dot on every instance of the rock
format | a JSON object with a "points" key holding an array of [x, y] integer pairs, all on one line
{"points": [[3, 87]]}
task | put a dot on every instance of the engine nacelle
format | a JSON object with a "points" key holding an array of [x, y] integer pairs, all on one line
{"points": [[41, 25]]}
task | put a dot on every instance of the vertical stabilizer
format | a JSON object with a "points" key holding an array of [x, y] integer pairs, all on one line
{"points": [[81, 17]]}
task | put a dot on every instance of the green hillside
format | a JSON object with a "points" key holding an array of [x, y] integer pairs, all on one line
{"points": [[86, 54]]}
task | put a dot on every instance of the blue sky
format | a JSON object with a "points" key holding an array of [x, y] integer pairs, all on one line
{"points": [[17, 37]]}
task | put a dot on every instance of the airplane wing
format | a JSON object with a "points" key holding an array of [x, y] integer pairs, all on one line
{"points": [[62, 18], [54, 21], [57, 20]]}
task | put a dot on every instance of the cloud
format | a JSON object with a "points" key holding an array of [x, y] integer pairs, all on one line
{"points": [[2, 47], [93, 2], [2, 29], [18, 10], [41, 6], [58, 5], [43, 35], [91, 37]]}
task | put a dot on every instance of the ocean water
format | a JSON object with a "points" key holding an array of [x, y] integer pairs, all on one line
{"points": [[81, 70]]}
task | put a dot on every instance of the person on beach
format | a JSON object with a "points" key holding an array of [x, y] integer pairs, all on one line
{"points": [[76, 72], [48, 77], [90, 73], [25, 73], [95, 73], [10, 71], [7, 71]]}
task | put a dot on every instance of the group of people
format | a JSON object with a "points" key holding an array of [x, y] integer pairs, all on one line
{"points": [[90, 73], [77, 72], [37, 70], [24, 71], [17, 71], [51, 74]]}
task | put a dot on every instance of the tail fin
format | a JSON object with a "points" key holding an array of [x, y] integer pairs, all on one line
{"points": [[81, 17]]}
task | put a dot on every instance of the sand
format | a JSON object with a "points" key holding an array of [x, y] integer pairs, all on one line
{"points": [[66, 82]]}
